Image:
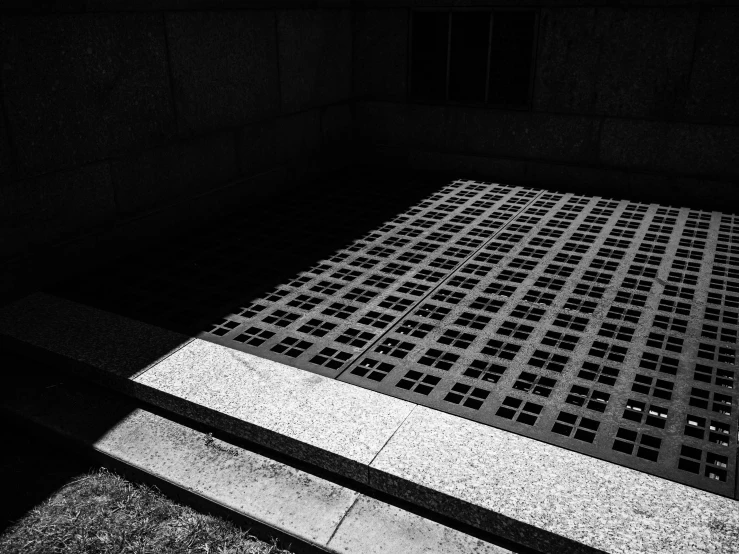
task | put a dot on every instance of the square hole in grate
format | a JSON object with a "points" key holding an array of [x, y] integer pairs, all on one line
{"points": [[608, 351], [378, 281], [723, 334], [355, 337], [420, 383], [515, 330], [647, 446], [578, 427], [394, 268], [331, 358], [280, 318], [291, 347], [414, 289], [560, 340], [523, 264], [548, 360], [443, 263], [485, 371], [449, 296], [728, 317], [251, 310], [708, 400], [376, 319], [649, 414], [652, 386], [467, 396], [316, 327], [529, 313], [684, 293], [458, 339], [475, 321], [395, 348], [565, 258], [590, 398], [518, 410], [396, 303], [254, 336], [360, 295], [599, 277], [589, 289], [618, 332], [327, 287], [571, 322], [480, 270], [346, 274], [337, 309], [655, 362], [429, 275], [721, 354], [305, 302], [433, 311], [512, 276], [414, 328], [720, 377], [539, 297], [223, 328], [501, 349], [499, 289], [642, 271], [372, 369], [463, 282], [665, 342], [575, 248], [673, 306], [535, 384], [580, 304], [682, 278], [599, 373]]}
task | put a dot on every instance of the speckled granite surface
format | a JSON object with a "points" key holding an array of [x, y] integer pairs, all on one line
{"points": [[437, 456], [281, 403], [118, 346]]}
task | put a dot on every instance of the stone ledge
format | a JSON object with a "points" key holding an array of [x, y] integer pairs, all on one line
{"points": [[476, 474]]}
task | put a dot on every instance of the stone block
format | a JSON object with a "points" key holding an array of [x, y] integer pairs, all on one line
{"points": [[315, 50], [381, 54], [714, 81], [298, 136], [632, 62], [680, 148], [79, 88], [224, 67], [527, 135], [161, 176], [418, 126], [37, 212], [337, 127]]}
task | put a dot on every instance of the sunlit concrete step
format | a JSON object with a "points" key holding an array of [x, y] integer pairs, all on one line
{"points": [[535, 494], [305, 512]]}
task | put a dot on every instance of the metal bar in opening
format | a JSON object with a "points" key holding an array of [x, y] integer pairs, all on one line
{"points": [[490, 47], [448, 54]]}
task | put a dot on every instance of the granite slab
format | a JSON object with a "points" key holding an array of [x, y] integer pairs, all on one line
{"points": [[115, 346], [331, 424], [547, 497], [373, 527], [306, 512]]}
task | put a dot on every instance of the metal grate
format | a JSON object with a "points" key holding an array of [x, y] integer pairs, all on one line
{"points": [[602, 326]]}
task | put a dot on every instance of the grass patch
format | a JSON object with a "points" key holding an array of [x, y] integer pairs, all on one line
{"points": [[101, 512]]}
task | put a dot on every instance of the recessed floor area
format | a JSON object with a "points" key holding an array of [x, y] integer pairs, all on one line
{"points": [[599, 325]]}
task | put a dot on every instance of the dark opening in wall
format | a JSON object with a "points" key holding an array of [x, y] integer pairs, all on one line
{"points": [[473, 56]]}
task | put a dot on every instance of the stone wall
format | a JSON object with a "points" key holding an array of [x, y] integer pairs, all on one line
{"points": [[628, 99], [112, 112]]}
